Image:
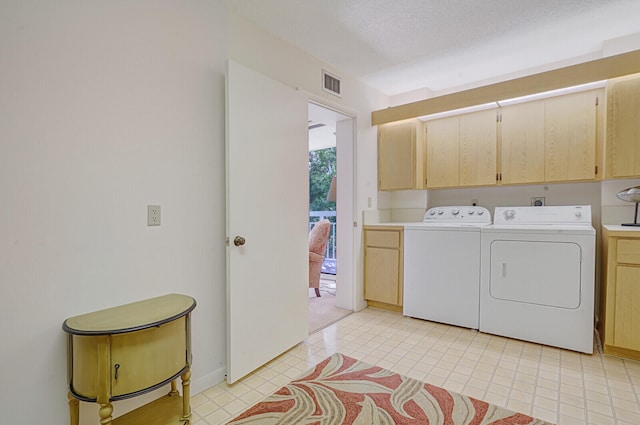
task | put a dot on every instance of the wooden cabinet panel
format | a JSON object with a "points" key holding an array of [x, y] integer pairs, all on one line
{"points": [[623, 128], [382, 275], [136, 354], [629, 251], [550, 140], [84, 368], [400, 156], [522, 143], [478, 143], [570, 137], [384, 238], [443, 167], [627, 308], [461, 150], [383, 266]]}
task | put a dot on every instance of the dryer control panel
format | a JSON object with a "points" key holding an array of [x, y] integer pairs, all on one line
{"points": [[549, 215]]}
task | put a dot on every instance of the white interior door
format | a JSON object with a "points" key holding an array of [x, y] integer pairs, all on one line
{"points": [[268, 206]]}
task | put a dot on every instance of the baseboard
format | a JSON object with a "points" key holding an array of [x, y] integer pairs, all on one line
{"points": [[207, 381]]}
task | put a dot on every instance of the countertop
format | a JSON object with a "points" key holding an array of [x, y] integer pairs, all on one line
{"points": [[618, 230]]}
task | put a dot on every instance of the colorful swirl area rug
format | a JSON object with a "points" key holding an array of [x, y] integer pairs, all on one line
{"points": [[342, 390]]}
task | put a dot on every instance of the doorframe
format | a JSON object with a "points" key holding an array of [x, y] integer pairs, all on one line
{"points": [[346, 211]]}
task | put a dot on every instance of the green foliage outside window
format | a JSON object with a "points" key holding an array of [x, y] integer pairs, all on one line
{"points": [[322, 168]]}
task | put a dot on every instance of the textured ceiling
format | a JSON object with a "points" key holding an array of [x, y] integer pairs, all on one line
{"points": [[440, 46]]}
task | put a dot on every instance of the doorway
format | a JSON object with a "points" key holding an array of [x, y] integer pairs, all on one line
{"points": [[330, 143]]}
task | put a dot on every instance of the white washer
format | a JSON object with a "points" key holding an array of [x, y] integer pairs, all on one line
{"points": [[538, 276], [442, 265]]}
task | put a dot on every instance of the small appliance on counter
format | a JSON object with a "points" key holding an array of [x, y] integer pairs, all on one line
{"points": [[631, 195]]}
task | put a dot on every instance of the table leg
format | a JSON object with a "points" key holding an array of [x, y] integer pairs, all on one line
{"points": [[174, 389], [106, 409], [74, 409], [186, 395]]}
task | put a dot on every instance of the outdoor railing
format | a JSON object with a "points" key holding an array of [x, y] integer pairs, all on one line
{"points": [[330, 254]]}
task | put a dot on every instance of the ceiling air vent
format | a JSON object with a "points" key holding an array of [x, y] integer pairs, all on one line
{"points": [[330, 83]]}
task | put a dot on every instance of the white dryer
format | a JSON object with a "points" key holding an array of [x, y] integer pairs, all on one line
{"points": [[537, 281], [442, 265]]}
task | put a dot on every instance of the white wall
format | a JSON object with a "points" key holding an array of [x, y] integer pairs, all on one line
{"points": [[106, 107], [491, 197]]}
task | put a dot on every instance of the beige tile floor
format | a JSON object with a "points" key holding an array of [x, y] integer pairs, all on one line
{"points": [[556, 385]]}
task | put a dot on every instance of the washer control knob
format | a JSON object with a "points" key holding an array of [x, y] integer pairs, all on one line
{"points": [[440, 212], [509, 214], [455, 211], [471, 212], [578, 214], [432, 212], [480, 212]]}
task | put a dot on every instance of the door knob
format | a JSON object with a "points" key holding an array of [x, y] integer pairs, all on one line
{"points": [[238, 241]]}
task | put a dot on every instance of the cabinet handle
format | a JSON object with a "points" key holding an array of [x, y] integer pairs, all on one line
{"points": [[117, 366]]}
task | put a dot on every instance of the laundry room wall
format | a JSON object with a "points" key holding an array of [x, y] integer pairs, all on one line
{"points": [[107, 106], [491, 197], [408, 203]]}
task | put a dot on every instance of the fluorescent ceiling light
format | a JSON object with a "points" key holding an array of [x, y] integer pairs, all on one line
{"points": [[475, 108], [515, 100], [552, 93]]}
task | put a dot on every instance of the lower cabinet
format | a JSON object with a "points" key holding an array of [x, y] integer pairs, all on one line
{"points": [[621, 291], [383, 267]]}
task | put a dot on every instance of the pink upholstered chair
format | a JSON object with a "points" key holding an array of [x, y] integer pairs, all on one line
{"points": [[317, 246]]}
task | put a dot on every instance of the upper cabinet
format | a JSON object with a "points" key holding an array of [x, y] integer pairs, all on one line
{"points": [[461, 150], [556, 139], [478, 136], [443, 149], [401, 156], [570, 137], [523, 143], [550, 140], [623, 128]]}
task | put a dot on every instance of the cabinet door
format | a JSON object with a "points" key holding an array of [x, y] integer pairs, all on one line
{"points": [[623, 129], [477, 144], [627, 309], [382, 275], [570, 137], [397, 157], [148, 357], [523, 143], [443, 166]]}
